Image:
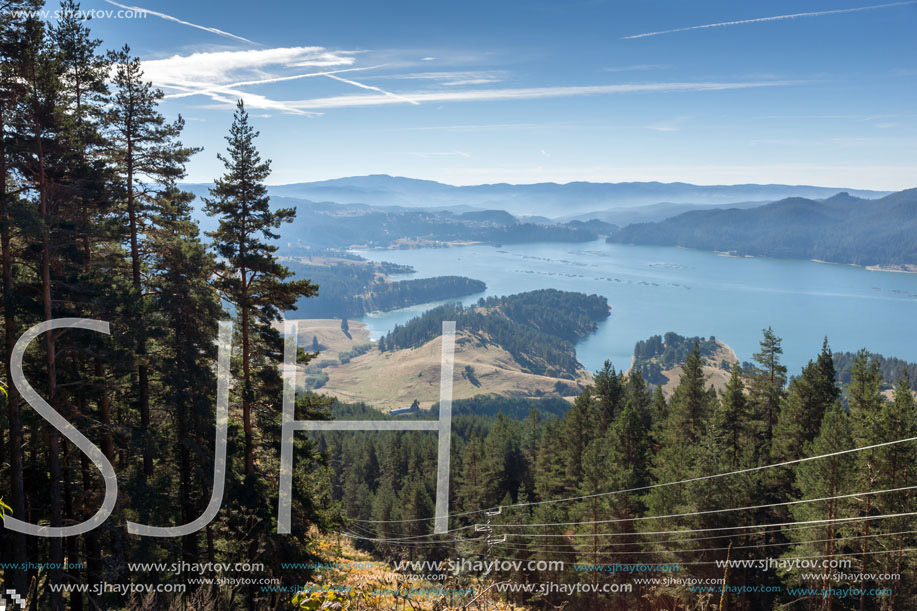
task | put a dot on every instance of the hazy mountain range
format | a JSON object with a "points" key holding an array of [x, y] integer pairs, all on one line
{"points": [[542, 199], [800, 222], [840, 229]]}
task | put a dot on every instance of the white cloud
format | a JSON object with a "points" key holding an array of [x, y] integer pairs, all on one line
{"points": [[177, 20], [766, 19], [213, 67], [221, 75]]}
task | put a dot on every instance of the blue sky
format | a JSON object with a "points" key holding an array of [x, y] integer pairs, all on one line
{"points": [[471, 92]]}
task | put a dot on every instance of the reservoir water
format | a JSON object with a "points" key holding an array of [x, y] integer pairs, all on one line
{"points": [[653, 290]]}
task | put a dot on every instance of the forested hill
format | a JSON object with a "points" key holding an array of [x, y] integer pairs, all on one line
{"points": [[538, 328], [661, 353], [891, 369], [329, 225], [840, 229]]}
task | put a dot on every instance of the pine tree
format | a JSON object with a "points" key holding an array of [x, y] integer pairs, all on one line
{"points": [[609, 393], [824, 478], [147, 154], [767, 390], [472, 489], [691, 403], [868, 418], [249, 275], [731, 421], [680, 434], [597, 466], [502, 462], [190, 307], [638, 396], [896, 467], [12, 91], [659, 410], [808, 397], [577, 429], [550, 472], [41, 157]]}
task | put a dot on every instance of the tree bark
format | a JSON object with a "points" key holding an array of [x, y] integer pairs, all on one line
{"points": [[142, 369], [17, 492], [53, 436]]}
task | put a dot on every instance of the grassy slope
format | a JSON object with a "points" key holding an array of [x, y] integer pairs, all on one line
{"points": [[395, 379], [717, 377]]}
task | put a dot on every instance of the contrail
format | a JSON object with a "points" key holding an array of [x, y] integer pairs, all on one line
{"points": [[276, 79], [775, 18], [382, 91], [176, 20]]}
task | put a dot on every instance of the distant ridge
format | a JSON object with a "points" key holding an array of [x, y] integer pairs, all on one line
{"points": [[840, 229], [547, 199]]}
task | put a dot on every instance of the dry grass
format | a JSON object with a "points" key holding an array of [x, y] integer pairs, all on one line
{"points": [[393, 380], [329, 334], [716, 376]]}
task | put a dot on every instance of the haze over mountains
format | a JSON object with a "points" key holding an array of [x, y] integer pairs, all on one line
{"points": [[785, 221], [840, 229], [542, 199]]}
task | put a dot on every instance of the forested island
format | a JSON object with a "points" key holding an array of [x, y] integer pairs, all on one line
{"points": [[840, 229], [354, 287]]}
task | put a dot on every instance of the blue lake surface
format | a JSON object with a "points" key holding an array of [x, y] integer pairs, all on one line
{"points": [[653, 290]]}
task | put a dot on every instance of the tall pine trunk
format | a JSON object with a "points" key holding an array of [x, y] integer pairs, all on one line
{"points": [[53, 436], [246, 384], [17, 492], [142, 370]]}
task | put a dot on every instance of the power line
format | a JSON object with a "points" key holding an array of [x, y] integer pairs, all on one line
{"points": [[400, 542], [710, 511], [669, 516], [678, 540], [720, 562], [711, 549], [650, 486], [781, 525], [721, 528]]}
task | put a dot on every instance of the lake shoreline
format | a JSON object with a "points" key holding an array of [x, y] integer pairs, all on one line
{"points": [[691, 292], [905, 268]]}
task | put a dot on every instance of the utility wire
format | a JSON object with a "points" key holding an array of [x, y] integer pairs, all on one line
{"points": [[650, 486]]}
